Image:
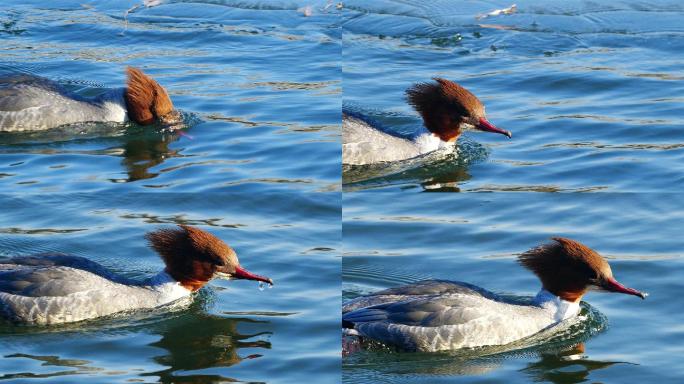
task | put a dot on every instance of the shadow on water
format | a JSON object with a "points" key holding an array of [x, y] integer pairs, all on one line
{"points": [[189, 338]]}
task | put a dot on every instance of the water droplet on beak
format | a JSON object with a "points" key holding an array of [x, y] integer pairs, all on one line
{"points": [[263, 285]]}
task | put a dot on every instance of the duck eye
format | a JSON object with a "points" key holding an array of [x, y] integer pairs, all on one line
{"points": [[469, 120], [461, 118], [594, 278]]}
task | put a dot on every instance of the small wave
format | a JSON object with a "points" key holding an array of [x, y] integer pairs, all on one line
{"points": [[364, 277]]}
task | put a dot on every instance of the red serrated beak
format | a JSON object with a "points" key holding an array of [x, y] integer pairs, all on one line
{"points": [[241, 273], [612, 285], [489, 127]]}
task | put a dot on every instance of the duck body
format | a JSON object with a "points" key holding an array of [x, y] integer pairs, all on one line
{"points": [[365, 144], [57, 289], [447, 109], [437, 315], [33, 103]]}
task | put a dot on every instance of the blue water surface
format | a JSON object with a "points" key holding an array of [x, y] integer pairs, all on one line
{"points": [[592, 91], [476, 237], [232, 332], [260, 82]]}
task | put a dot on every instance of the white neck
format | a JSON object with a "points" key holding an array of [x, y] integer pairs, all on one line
{"points": [[428, 142], [560, 308], [113, 105], [167, 286]]}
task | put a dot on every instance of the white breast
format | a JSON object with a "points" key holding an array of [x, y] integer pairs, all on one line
{"points": [[364, 144]]}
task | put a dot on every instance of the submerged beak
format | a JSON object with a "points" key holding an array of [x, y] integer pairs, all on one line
{"points": [[172, 118], [612, 285], [489, 127], [241, 273]]}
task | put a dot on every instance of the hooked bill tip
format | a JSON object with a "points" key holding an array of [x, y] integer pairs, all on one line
{"points": [[241, 273], [610, 284], [486, 126]]}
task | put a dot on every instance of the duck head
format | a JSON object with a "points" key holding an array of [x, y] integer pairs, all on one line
{"points": [[146, 101], [448, 109], [568, 269], [193, 257]]}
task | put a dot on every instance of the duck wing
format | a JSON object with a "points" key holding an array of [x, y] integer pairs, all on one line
{"points": [[416, 290], [439, 315], [364, 144], [52, 275]]}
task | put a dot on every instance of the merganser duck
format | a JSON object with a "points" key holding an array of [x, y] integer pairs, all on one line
{"points": [[437, 315], [33, 103], [447, 110], [55, 289]]}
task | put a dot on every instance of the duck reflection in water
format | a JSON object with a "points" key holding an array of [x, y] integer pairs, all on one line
{"points": [[442, 176], [564, 364], [190, 342], [568, 366], [200, 342], [144, 151], [141, 149]]}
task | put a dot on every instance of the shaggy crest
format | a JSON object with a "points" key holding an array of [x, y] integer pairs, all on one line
{"points": [[444, 106], [566, 267], [192, 256], [146, 100]]}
